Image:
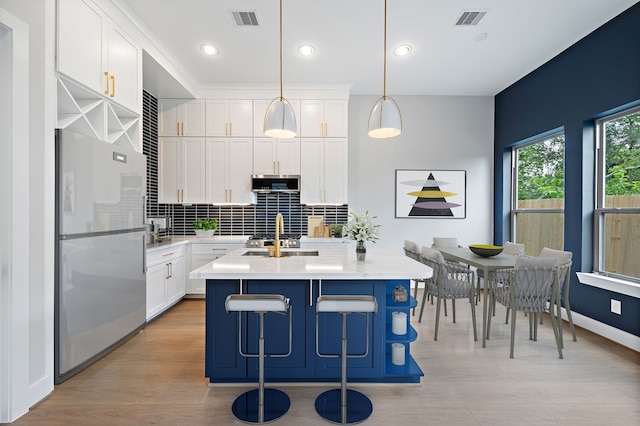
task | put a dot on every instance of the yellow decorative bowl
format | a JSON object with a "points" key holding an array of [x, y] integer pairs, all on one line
{"points": [[485, 250]]}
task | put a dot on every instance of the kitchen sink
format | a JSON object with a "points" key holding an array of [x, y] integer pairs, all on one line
{"points": [[283, 253]]}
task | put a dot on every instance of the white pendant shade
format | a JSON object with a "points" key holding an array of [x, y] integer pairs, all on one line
{"points": [[385, 120], [280, 120]]}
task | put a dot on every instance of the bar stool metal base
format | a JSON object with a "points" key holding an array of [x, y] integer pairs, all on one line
{"points": [[329, 406], [246, 409]]}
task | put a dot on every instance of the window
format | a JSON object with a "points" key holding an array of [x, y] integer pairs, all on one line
{"points": [[617, 214], [537, 212]]}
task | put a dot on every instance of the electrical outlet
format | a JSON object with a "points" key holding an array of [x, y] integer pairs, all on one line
{"points": [[616, 306]]}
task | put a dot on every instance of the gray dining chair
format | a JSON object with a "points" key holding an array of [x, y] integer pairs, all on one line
{"points": [[412, 250], [563, 261], [526, 288], [449, 281]]}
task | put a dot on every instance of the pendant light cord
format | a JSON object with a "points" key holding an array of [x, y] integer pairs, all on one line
{"points": [[384, 81], [281, 97]]}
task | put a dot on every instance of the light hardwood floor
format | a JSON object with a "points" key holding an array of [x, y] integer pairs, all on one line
{"points": [[158, 378]]}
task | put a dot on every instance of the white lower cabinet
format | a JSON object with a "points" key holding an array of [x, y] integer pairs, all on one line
{"points": [[165, 279]]}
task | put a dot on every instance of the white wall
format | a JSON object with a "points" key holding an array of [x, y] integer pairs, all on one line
{"points": [[439, 133], [30, 284]]}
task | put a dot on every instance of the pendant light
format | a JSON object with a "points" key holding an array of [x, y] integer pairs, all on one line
{"points": [[385, 120], [280, 120]]}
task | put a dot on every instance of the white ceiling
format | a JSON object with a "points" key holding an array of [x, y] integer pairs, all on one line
{"points": [[348, 37]]}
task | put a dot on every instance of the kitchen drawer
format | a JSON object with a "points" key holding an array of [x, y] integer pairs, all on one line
{"points": [[208, 249], [159, 256]]}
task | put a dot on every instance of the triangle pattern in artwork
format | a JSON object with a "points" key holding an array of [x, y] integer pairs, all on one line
{"points": [[426, 211]]}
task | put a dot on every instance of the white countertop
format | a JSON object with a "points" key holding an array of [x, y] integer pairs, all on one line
{"points": [[334, 263], [192, 239]]}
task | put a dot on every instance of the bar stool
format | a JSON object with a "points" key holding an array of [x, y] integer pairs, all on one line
{"points": [[344, 406], [259, 405]]}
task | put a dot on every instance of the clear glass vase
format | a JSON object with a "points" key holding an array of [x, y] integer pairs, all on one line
{"points": [[361, 251]]}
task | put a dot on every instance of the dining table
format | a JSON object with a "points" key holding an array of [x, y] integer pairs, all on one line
{"points": [[487, 264]]}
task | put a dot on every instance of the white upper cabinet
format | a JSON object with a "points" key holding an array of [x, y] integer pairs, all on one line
{"points": [[93, 51], [323, 167], [181, 170], [229, 118], [273, 156], [260, 109], [228, 174], [324, 118], [181, 117]]}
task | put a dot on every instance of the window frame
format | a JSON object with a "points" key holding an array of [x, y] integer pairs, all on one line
{"points": [[514, 184], [600, 211]]}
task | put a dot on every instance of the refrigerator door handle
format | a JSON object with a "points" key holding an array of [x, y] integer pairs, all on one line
{"points": [[144, 254]]}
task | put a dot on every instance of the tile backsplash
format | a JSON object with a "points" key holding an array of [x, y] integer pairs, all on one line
{"points": [[232, 220]]}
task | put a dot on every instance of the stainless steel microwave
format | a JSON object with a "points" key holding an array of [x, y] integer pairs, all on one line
{"points": [[275, 183]]}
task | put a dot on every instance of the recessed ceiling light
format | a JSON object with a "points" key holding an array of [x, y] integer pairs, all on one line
{"points": [[402, 50], [209, 50], [306, 50], [481, 37]]}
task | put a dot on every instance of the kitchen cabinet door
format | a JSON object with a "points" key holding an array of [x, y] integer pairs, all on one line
{"points": [[181, 170], [311, 171], [125, 70], [240, 168], [181, 117], [79, 50], [156, 299], [175, 284], [276, 156], [169, 170], [229, 168], [193, 170], [229, 118], [323, 171], [216, 172], [324, 118], [335, 171]]}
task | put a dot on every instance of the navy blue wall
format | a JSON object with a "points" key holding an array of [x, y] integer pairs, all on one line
{"points": [[596, 76]]}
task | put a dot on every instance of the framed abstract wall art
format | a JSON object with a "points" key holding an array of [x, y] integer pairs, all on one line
{"points": [[431, 194]]}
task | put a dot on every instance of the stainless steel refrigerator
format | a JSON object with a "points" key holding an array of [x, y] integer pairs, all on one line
{"points": [[100, 249]]}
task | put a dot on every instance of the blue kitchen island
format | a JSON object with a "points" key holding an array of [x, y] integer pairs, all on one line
{"points": [[303, 279]]}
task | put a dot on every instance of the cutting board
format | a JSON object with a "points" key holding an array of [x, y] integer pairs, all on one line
{"points": [[312, 223]]}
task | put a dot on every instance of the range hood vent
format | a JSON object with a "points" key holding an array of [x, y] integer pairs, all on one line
{"points": [[245, 18], [470, 17]]}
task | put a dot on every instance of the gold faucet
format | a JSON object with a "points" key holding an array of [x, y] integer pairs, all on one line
{"points": [[280, 228]]}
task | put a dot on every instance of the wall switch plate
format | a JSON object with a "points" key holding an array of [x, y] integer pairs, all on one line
{"points": [[616, 306]]}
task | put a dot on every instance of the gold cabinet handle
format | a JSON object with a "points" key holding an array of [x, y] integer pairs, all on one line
{"points": [[113, 86], [230, 129], [182, 123], [106, 82], [178, 131]]}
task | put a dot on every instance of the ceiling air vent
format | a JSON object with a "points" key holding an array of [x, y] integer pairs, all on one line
{"points": [[470, 17], [245, 18]]}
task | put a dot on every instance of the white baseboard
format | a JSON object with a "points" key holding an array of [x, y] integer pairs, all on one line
{"points": [[629, 340]]}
